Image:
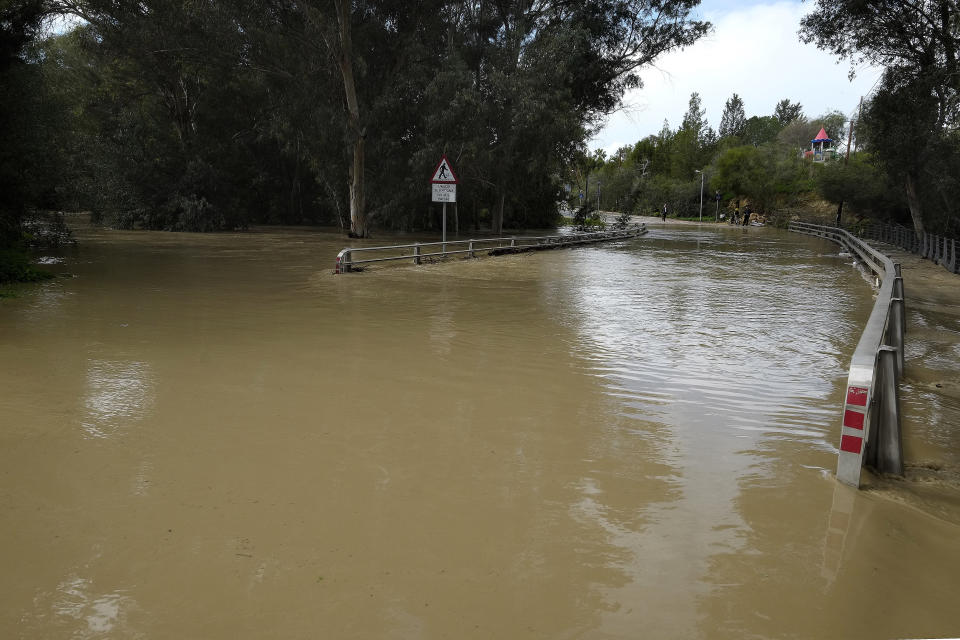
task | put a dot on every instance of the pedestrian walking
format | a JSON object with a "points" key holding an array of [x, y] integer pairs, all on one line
{"points": [[746, 215], [663, 213]]}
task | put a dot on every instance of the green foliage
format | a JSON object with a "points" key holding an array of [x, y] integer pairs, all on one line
{"points": [[587, 219], [622, 221], [26, 122], [911, 121], [786, 112], [863, 186], [759, 130], [207, 116], [682, 197], [734, 120], [15, 267], [766, 175]]}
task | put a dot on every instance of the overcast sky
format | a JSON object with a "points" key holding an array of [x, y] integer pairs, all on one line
{"points": [[753, 51]]}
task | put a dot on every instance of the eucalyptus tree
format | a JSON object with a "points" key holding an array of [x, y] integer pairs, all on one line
{"points": [[208, 115], [20, 24], [545, 72], [165, 81]]}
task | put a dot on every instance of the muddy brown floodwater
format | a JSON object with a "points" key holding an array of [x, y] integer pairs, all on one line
{"points": [[211, 436]]}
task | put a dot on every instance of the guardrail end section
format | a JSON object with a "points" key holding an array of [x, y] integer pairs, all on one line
{"points": [[342, 264], [853, 434]]}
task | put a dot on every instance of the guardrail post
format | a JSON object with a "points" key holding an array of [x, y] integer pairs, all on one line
{"points": [[416, 253], [470, 248], [889, 449], [896, 331], [513, 242]]}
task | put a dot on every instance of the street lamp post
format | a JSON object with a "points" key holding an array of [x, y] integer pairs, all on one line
{"points": [[701, 194]]}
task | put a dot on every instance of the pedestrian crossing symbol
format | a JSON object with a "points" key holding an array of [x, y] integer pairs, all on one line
{"points": [[443, 174]]}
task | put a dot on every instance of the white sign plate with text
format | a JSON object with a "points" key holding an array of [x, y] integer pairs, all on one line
{"points": [[444, 192]]}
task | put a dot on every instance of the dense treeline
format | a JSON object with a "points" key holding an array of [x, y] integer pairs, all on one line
{"points": [[215, 115], [907, 168], [912, 123], [761, 161]]}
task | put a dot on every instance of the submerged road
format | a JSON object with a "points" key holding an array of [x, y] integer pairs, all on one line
{"points": [[212, 436]]}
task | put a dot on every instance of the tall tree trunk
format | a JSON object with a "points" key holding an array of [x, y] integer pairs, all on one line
{"points": [[496, 226], [358, 213], [358, 202], [913, 201], [295, 210]]}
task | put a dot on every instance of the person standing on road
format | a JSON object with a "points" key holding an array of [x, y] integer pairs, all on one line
{"points": [[663, 213], [746, 215]]}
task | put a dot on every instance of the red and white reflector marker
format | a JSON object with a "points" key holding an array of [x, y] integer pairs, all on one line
{"points": [[853, 434]]}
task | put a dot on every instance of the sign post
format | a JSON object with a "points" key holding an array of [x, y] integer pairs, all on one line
{"points": [[444, 183]]}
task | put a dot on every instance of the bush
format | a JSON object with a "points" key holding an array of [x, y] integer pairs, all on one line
{"points": [[586, 219], [15, 267]]}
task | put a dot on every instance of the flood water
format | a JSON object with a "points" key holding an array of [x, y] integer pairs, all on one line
{"points": [[212, 436]]}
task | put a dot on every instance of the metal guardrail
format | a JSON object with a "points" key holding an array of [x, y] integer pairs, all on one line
{"points": [[870, 428], [351, 257], [938, 249]]}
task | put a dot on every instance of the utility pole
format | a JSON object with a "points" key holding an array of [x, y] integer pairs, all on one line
{"points": [[846, 158], [701, 193]]}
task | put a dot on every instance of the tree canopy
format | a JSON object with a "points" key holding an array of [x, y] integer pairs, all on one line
{"points": [[205, 116], [912, 119], [734, 120]]}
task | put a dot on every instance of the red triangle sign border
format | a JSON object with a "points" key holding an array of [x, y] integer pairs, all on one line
{"points": [[436, 172]]}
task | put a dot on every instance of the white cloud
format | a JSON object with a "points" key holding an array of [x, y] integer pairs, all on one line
{"points": [[753, 51]]}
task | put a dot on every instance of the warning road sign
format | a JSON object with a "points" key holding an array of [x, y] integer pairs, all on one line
{"points": [[443, 174]]}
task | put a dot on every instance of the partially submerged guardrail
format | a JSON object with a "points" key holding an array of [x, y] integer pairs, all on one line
{"points": [[938, 249], [870, 428], [352, 257]]}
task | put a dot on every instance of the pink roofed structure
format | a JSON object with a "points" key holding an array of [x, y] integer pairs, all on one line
{"points": [[821, 147]]}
